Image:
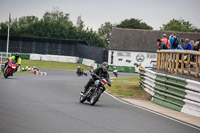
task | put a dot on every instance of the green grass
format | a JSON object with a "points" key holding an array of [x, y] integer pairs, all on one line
{"points": [[127, 87], [51, 65]]}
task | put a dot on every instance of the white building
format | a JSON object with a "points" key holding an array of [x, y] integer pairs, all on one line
{"points": [[128, 48]]}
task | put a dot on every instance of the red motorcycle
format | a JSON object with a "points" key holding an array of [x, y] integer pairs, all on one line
{"points": [[10, 68]]}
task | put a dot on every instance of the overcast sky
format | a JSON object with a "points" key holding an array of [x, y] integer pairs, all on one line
{"points": [[97, 12]]}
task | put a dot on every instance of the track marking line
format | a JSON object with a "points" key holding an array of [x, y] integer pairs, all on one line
{"points": [[131, 104]]}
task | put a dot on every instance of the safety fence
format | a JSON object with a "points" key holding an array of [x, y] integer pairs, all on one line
{"points": [[176, 93], [179, 61], [49, 46]]}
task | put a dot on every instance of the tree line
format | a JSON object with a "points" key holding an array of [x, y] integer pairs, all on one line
{"points": [[57, 25]]}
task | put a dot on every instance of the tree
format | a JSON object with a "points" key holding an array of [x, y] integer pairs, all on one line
{"points": [[134, 24], [105, 30], [179, 25], [79, 23], [54, 24]]}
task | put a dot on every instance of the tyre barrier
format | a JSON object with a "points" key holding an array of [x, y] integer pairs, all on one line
{"points": [[40, 73], [176, 93]]}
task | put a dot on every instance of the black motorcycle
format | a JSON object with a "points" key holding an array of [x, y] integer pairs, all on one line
{"points": [[95, 90], [115, 73], [81, 73]]}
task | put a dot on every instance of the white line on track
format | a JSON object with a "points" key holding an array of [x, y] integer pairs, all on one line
{"points": [[153, 112]]}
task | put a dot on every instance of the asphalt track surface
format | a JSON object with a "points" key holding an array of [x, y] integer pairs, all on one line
{"points": [[50, 104]]}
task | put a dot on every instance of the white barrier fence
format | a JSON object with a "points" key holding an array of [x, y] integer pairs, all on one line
{"points": [[58, 58]]}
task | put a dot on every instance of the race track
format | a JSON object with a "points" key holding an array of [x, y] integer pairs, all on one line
{"points": [[50, 104]]}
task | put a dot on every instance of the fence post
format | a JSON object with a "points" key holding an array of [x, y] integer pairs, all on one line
{"points": [[197, 67], [188, 64], [177, 63], [173, 62], [182, 63], [158, 60], [166, 61], [170, 62]]}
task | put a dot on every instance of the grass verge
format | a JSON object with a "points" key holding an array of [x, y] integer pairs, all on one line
{"points": [[51, 65], [127, 87]]}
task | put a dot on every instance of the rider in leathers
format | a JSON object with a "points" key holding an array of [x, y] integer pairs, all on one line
{"points": [[101, 72], [17, 58]]}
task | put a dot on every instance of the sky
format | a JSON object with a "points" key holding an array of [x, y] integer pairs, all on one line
{"points": [[96, 12]]}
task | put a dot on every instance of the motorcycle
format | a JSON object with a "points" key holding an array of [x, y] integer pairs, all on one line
{"points": [[81, 73], [95, 90], [115, 73], [10, 68]]}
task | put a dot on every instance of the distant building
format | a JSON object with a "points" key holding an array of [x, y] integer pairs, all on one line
{"points": [[130, 47]]}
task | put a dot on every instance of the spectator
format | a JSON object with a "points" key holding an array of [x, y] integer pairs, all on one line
{"points": [[198, 45], [165, 40], [193, 45], [179, 46], [172, 39], [188, 45], [161, 45], [181, 42]]}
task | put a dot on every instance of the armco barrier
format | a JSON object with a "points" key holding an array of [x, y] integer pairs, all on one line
{"points": [[35, 56], [57, 58], [172, 92]]}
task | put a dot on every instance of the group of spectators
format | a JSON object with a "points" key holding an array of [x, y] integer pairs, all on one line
{"points": [[175, 43]]}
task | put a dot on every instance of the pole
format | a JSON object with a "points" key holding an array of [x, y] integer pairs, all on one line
{"points": [[8, 35]]}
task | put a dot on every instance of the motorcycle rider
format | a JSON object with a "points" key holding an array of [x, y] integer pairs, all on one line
{"points": [[115, 71], [101, 72], [17, 58], [78, 71]]}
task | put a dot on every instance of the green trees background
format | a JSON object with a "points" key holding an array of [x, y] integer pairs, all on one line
{"points": [[57, 25]]}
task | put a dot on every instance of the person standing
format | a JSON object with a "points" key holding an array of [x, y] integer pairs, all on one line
{"points": [[174, 41], [165, 40], [181, 42], [188, 45], [193, 45], [198, 45]]}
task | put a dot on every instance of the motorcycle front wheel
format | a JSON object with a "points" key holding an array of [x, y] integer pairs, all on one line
{"points": [[82, 98], [6, 74], [95, 96]]}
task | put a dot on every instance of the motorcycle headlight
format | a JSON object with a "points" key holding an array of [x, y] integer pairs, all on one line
{"points": [[97, 82]]}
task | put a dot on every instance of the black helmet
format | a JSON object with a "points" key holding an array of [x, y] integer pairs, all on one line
{"points": [[17, 55], [104, 66]]}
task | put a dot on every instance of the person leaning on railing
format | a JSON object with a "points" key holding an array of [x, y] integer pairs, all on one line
{"points": [[188, 46], [161, 44]]}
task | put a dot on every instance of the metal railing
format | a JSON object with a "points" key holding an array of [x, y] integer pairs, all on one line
{"points": [[179, 61]]}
